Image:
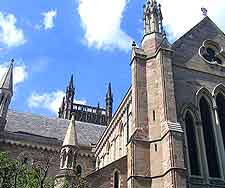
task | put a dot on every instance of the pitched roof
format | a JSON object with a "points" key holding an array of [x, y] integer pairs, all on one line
{"points": [[185, 47], [7, 80], [87, 133], [71, 135]]}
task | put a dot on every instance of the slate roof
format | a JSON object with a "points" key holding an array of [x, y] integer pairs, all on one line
{"points": [[186, 46], [39, 126]]}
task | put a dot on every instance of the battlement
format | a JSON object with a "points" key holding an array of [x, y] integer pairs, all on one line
{"points": [[89, 114]]}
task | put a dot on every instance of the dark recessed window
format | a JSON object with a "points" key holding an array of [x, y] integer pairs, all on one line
{"points": [[209, 138], [116, 180], [153, 114], [70, 159], [63, 158], [210, 55], [79, 170], [192, 144]]}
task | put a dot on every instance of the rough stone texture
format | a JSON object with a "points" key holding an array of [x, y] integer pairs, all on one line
{"points": [[103, 178], [145, 141], [191, 75]]}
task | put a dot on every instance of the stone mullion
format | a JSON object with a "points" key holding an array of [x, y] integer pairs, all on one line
{"points": [[202, 151], [219, 140]]}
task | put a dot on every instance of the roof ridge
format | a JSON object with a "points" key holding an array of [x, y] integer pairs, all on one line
{"points": [[190, 30]]}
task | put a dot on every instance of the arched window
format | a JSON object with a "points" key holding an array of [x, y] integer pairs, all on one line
{"points": [[70, 159], [63, 158], [107, 148], [192, 144], [208, 132], [116, 180], [220, 102], [79, 170]]}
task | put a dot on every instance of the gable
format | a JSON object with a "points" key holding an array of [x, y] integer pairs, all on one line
{"points": [[186, 49]]}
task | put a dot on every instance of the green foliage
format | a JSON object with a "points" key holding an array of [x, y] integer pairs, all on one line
{"points": [[14, 174]]}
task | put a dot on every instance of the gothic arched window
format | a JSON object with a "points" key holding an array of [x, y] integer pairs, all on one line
{"points": [[116, 180], [220, 102], [79, 170], [63, 158], [192, 144], [70, 159], [209, 138]]}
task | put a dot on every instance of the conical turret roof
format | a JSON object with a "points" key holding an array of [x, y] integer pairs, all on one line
{"points": [[71, 135]]}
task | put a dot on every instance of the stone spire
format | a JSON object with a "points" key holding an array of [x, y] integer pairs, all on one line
{"points": [[6, 93], [109, 103], [67, 104], [7, 80], [68, 157], [71, 135], [152, 17], [71, 82]]}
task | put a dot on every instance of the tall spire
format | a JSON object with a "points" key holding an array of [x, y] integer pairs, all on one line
{"points": [[71, 82], [6, 93], [109, 103], [109, 92], [7, 80], [152, 17]]}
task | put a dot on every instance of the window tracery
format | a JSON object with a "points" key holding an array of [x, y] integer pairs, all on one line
{"points": [[211, 52], [209, 138]]}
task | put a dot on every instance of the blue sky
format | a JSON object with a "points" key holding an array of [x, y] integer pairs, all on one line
{"points": [[50, 40]]}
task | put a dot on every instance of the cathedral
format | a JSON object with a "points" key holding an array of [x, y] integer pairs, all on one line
{"points": [[167, 132]]}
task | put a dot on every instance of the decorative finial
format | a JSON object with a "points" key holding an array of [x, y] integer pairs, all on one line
{"points": [[133, 44], [152, 17], [204, 11]]}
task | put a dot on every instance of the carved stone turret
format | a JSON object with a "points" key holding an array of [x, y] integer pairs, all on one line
{"points": [[68, 157], [6, 93], [152, 17], [154, 34]]}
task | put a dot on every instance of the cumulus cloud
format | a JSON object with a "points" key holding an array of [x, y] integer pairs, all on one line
{"points": [[19, 73], [101, 21], [180, 16], [49, 17], [10, 35], [50, 101]]}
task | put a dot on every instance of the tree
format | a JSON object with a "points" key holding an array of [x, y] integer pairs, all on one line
{"points": [[15, 174]]}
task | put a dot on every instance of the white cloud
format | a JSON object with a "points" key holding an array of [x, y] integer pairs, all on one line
{"points": [[182, 15], [50, 101], [101, 21], [19, 73], [10, 35], [49, 17]]}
